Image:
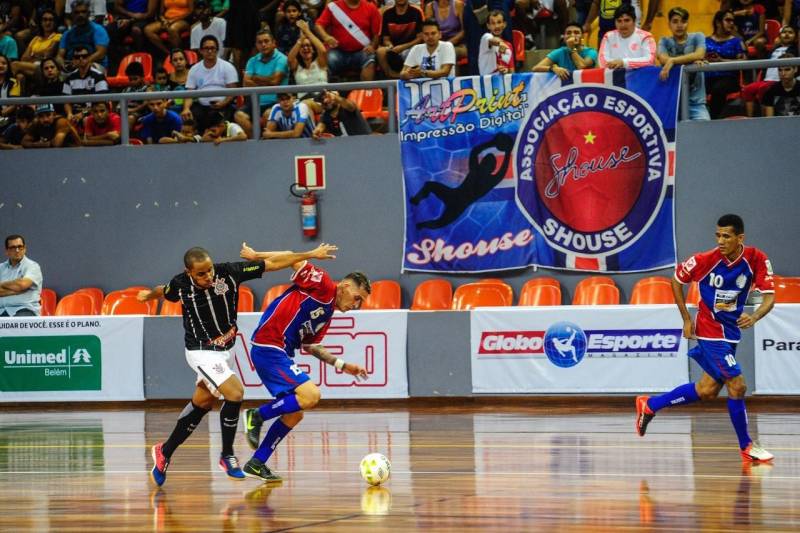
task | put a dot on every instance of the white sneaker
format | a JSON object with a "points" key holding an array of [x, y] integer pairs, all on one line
{"points": [[756, 453]]}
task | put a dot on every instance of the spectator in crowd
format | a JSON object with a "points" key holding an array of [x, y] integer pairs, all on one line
{"points": [[85, 34], [350, 29], [160, 125], [627, 46], [136, 108], [450, 16], [287, 32], [161, 80], [783, 98], [8, 84], [240, 32], [102, 127], [721, 46], [97, 10], [20, 281], [173, 18], [754, 92], [8, 46], [475, 25], [340, 117], [207, 24], [308, 59], [87, 79], [131, 18], [219, 8], [50, 130], [289, 119], [220, 130], [47, 81], [496, 55], [604, 9], [268, 68], [210, 73], [433, 58], [312, 8], [11, 138], [571, 57], [14, 16], [187, 134], [683, 48], [43, 46], [400, 31], [750, 20], [178, 77]]}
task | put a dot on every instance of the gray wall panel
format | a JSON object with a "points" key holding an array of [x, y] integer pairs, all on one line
{"points": [[439, 354], [166, 374]]}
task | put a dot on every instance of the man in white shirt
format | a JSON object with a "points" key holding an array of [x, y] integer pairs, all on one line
{"points": [[20, 281], [433, 58], [206, 25], [627, 46]]}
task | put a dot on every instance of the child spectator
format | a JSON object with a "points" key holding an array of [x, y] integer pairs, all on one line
{"points": [[340, 117], [684, 48], [11, 138], [495, 54], [308, 59], [102, 127], [571, 57], [160, 123], [136, 108], [288, 119], [207, 24], [627, 46], [722, 45], [187, 134], [783, 98], [220, 130], [161, 80], [400, 31], [287, 31]]}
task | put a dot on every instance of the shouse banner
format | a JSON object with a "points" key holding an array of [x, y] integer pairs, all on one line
{"points": [[71, 358], [777, 351], [577, 349], [375, 340], [503, 172]]}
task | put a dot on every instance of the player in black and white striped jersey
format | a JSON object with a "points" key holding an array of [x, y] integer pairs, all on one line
{"points": [[209, 294]]}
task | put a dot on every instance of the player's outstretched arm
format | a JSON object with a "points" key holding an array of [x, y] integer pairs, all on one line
{"points": [[153, 294], [251, 255], [680, 300], [278, 261], [319, 351], [747, 321]]}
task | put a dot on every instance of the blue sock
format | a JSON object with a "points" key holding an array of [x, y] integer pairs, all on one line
{"points": [[278, 407], [277, 431], [739, 419], [684, 394]]}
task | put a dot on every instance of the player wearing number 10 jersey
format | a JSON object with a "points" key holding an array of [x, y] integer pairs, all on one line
{"points": [[724, 276]]}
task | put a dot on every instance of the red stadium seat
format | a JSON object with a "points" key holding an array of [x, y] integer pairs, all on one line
{"points": [[370, 102], [540, 291], [509, 292], [519, 46], [655, 290], [385, 294], [246, 302], [121, 80], [171, 308], [693, 296], [597, 294], [75, 304], [113, 296], [47, 301], [472, 295], [96, 296], [787, 290], [129, 305], [433, 295], [272, 293]]}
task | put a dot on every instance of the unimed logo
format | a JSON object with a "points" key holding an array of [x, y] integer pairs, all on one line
{"points": [[68, 362]]}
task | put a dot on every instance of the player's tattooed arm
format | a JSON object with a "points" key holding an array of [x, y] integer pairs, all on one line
{"points": [[151, 294], [280, 260], [319, 351]]}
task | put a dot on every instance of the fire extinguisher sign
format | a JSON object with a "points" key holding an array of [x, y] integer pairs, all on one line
{"points": [[309, 172]]}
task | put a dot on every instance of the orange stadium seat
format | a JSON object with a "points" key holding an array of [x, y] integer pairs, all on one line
{"points": [[272, 293], [171, 308], [519, 46], [247, 300], [129, 305], [540, 294], [693, 296], [96, 295], [653, 290], [47, 301], [121, 80], [597, 294], [370, 102], [509, 292], [787, 290], [433, 295], [113, 296], [585, 283], [472, 295], [75, 304], [385, 294]]}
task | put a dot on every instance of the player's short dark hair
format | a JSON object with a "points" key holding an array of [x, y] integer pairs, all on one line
{"points": [[15, 237], [134, 69], [361, 280], [681, 12], [625, 9], [572, 23], [495, 13], [194, 255], [431, 22], [734, 221]]}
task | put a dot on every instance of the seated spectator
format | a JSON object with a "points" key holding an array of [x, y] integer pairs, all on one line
{"points": [[684, 48], [8, 84], [47, 81], [131, 17], [136, 108], [604, 9], [268, 68], [754, 92], [8, 46], [627, 46], [750, 20], [571, 57], [400, 31], [173, 18], [450, 16], [433, 58], [221, 131], [102, 127], [721, 46], [287, 32], [289, 119], [207, 24], [178, 77], [43, 46], [308, 59], [86, 34], [187, 134], [160, 123], [783, 98], [496, 55], [475, 27], [340, 117], [87, 79], [161, 80], [50, 130], [350, 29], [20, 281], [11, 138], [97, 10]]}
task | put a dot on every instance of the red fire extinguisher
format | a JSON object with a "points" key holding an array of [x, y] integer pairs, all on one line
{"points": [[308, 212]]}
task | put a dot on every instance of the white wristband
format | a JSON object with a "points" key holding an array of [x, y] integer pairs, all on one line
{"points": [[339, 363]]}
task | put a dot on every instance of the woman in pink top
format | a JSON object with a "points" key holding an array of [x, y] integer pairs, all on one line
{"points": [[173, 18], [627, 46]]}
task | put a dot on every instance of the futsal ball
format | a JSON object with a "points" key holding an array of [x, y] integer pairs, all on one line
{"points": [[375, 468]]}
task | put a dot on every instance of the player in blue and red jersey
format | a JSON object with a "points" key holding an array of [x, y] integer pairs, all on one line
{"points": [[725, 276], [297, 318]]}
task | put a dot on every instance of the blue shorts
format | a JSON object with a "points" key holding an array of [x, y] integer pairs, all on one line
{"points": [[278, 372], [717, 358]]}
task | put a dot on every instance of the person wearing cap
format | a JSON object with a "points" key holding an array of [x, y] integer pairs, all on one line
{"points": [[289, 119], [340, 116], [20, 281], [50, 130]]}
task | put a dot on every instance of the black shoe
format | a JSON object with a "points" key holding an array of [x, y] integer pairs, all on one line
{"points": [[257, 469], [252, 427]]}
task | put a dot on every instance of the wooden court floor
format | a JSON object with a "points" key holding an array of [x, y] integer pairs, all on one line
{"points": [[470, 467]]}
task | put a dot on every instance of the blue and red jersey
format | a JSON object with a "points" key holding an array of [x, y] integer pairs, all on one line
{"points": [[300, 315], [724, 286]]}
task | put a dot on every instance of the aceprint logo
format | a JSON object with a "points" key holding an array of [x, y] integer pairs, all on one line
{"points": [[591, 163], [511, 342]]}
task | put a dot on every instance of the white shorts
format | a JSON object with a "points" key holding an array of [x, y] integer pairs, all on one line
{"points": [[212, 368]]}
